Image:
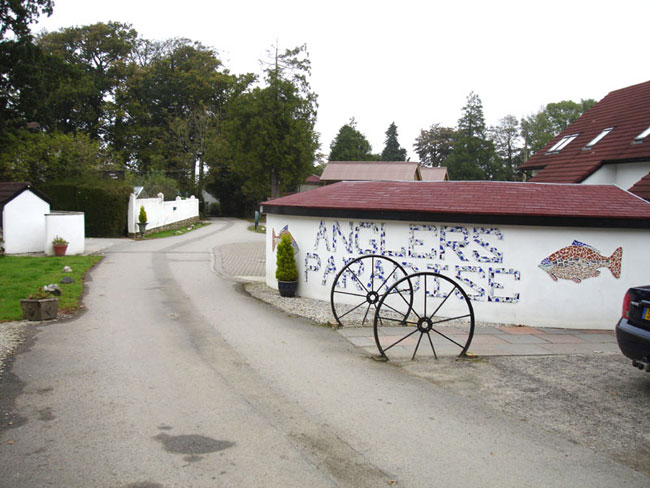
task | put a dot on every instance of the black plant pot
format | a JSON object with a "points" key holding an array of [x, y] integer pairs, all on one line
{"points": [[287, 288]]}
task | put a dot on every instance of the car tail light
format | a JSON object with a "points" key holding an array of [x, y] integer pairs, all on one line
{"points": [[626, 305]]}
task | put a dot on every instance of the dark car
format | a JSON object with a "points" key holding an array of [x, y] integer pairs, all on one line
{"points": [[633, 330]]}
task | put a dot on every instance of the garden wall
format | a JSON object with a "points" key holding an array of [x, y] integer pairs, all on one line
{"points": [[24, 223], [162, 215], [501, 267]]}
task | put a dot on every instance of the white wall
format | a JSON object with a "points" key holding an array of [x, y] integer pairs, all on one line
{"points": [[69, 225], [624, 175], [497, 265], [24, 223], [159, 212]]}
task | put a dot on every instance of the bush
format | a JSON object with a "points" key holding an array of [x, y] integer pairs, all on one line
{"points": [[215, 209], [142, 216], [286, 262], [105, 203]]}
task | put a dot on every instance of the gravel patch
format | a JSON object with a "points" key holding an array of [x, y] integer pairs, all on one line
{"points": [[12, 335], [317, 310]]}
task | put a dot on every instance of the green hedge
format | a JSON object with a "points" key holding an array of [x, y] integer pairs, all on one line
{"points": [[105, 203]]}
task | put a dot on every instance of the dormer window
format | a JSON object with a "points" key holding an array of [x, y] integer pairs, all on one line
{"points": [[642, 136], [562, 143], [593, 142]]}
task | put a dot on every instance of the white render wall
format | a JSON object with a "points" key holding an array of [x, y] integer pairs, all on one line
{"points": [[23, 223], [624, 175], [497, 265], [160, 212], [69, 225]]}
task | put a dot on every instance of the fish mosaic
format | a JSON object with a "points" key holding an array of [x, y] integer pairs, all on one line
{"points": [[275, 239], [580, 261]]}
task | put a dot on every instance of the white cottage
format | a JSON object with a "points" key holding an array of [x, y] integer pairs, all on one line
{"points": [[546, 255], [23, 217]]}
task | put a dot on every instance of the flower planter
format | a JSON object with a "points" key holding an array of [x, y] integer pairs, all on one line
{"points": [[43, 309], [287, 288], [143, 227], [60, 249]]}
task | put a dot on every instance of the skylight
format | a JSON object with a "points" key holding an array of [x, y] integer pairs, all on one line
{"points": [[593, 142], [562, 143], [643, 135]]}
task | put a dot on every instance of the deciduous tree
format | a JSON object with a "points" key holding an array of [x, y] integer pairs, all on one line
{"points": [[434, 145]]}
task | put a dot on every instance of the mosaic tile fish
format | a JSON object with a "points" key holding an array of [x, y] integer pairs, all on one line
{"points": [[275, 239], [580, 261]]}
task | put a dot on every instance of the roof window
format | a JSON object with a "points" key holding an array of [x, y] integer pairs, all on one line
{"points": [[642, 136], [593, 142], [562, 143]]}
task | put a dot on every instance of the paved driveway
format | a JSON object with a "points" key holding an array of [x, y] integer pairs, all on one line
{"points": [[176, 377]]}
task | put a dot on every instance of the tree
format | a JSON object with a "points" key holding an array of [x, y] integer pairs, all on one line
{"points": [[434, 145], [269, 133], [508, 145], [538, 129], [392, 150], [38, 157], [16, 15], [473, 156], [350, 145]]}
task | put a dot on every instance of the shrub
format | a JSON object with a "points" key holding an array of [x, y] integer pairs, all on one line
{"points": [[142, 216], [104, 202], [286, 262], [215, 209]]}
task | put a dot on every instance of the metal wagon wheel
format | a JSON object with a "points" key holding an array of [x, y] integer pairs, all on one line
{"points": [[359, 286], [424, 304]]}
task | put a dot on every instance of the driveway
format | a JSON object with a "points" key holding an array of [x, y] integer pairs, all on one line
{"points": [[176, 377]]}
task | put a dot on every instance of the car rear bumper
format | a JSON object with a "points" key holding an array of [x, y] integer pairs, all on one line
{"points": [[633, 341]]}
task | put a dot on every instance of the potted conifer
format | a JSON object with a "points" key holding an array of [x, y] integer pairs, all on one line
{"points": [[286, 272], [142, 220]]}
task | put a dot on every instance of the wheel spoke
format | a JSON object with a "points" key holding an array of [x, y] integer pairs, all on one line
{"points": [[410, 305], [351, 310], [395, 343], [432, 348], [402, 322], [443, 302], [389, 276], [450, 319], [416, 347], [354, 275], [372, 275], [448, 338], [349, 293], [397, 311], [366, 314]]}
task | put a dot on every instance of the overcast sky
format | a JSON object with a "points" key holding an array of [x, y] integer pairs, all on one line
{"points": [[405, 61]]}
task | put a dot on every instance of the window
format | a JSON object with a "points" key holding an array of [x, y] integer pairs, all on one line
{"points": [[593, 142], [642, 136], [562, 143]]}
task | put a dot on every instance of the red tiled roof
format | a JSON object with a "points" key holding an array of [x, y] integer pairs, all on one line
{"points": [[627, 110], [370, 171], [313, 179], [642, 187], [451, 199], [434, 174]]}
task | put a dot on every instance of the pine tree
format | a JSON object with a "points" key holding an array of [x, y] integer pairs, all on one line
{"points": [[392, 151]]}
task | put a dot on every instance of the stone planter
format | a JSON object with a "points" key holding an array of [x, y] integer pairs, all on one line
{"points": [[143, 227], [43, 309], [287, 288], [60, 249]]}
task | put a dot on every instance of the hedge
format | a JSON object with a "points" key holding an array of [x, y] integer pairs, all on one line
{"points": [[105, 203]]}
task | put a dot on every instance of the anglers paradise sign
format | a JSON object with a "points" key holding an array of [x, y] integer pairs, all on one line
{"points": [[475, 256]]}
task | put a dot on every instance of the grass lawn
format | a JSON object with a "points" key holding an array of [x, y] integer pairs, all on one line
{"points": [[176, 232], [22, 275]]}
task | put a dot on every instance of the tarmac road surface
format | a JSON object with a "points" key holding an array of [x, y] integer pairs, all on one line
{"points": [[175, 377]]}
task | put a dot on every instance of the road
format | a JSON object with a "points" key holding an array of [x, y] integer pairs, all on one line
{"points": [[175, 377]]}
